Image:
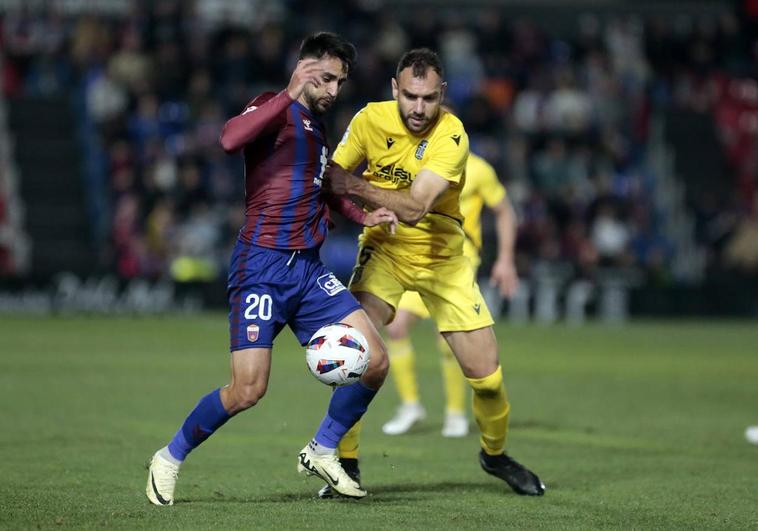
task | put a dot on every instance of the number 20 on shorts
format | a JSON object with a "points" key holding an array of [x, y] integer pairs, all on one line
{"points": [[258, 307]]}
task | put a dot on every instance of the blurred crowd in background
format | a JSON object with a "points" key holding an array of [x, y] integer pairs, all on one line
{"points": [[567, 120]]}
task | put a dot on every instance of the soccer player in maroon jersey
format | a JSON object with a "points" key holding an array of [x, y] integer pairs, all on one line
{"points": [[276, 277]]}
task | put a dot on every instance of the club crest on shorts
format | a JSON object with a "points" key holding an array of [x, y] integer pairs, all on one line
{"points": [[330, 284], [252, 332]]}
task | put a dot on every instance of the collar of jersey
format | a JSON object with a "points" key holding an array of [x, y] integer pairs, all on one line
{"points": [[307, 111]]}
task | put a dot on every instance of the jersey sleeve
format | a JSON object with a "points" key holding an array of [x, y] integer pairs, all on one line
{"points": [[448, 155], [346, 207], [492, 189], [351, 150], [261, 116]]}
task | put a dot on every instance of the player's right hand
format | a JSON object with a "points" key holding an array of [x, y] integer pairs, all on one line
{"points": [[382, 215], [307, 71]]}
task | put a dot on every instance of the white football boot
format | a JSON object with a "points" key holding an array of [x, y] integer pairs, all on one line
{"points": [[407, 415], [455, 425], [751, 434], [161, 480], [328, 468]]}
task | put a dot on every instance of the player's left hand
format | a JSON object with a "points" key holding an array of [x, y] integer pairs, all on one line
{"points": [[338, 180], [381, 215], [504, 276]]}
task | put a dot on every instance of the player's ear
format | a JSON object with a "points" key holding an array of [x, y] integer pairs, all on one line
{"points": [[443, 88], [395, 90]]}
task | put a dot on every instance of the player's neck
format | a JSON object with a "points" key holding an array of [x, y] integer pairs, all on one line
{"points": [[302, 101]]}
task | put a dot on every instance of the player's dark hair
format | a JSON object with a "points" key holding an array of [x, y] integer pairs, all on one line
{"points": [[324, 43], [420, 60]]}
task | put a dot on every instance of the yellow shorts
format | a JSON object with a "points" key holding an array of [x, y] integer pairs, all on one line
{"points": [[411, 300], [446, 286]]}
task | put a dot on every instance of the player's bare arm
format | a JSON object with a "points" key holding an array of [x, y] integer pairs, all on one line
{"points": [[409, 205], [504, 274]]}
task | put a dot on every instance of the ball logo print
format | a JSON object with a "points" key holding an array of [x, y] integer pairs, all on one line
{"points": [[325, 366], [347, 341], [337, 354]]}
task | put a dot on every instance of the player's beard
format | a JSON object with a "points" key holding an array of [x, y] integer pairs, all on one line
{"points": [[423, 122], [319, 105]]}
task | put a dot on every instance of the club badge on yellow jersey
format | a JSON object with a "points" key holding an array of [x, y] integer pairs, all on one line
{"points": [[394, 157]]}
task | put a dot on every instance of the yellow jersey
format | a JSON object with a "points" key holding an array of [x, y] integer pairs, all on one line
{"points": [[482, 187], [394, 156]]}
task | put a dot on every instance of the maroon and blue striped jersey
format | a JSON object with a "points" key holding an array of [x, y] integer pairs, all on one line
{"points": [[285, 151]]}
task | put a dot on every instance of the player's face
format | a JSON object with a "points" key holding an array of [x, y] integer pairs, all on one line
{"points": [[418, 99], [333, 75]]}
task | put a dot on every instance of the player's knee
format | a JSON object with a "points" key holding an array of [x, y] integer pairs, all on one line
{"points": [[397, 330], [246, 396], [378, 368], [489, 385], [394, 333]]}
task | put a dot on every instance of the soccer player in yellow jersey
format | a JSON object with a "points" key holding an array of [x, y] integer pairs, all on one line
{"points": [[482, 187], [416, 157]]}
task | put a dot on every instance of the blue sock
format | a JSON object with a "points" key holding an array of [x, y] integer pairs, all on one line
{"points": [[347, 406], [208, 416]]}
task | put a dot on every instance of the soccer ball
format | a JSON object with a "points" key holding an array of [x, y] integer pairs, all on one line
{"points": [[337, 354]]}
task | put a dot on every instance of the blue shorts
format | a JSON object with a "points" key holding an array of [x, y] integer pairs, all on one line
{"points": [[269, 288]]}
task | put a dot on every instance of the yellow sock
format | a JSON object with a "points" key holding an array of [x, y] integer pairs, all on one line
{"points": [[403, 368], [452, 377], [348, 446], [491, 410]]}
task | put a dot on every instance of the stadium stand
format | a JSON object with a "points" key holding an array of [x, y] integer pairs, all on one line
{"points": [[580, 121], [14, 242]]}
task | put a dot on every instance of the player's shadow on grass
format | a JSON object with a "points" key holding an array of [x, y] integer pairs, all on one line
{"points": [[386, 493], [383, 493], [425, 428]]}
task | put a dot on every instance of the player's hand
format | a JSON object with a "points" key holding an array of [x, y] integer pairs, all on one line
{"points": [[306, 71], [505, 277], [338, 180], [382, 215]]}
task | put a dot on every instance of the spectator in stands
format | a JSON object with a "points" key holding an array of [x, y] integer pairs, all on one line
{"points": [[567, 116], [741, 252]]}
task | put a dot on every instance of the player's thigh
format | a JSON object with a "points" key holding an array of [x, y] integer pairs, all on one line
{"points": [[409, 311], [251, 367], [450, 292], [379, 311], [475, 350], [379, 275]]}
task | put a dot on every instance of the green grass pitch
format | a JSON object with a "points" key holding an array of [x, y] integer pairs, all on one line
{"points": [[633, 427]]}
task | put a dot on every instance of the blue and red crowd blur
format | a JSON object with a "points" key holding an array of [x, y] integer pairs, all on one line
{"points": [[565, 119]]}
